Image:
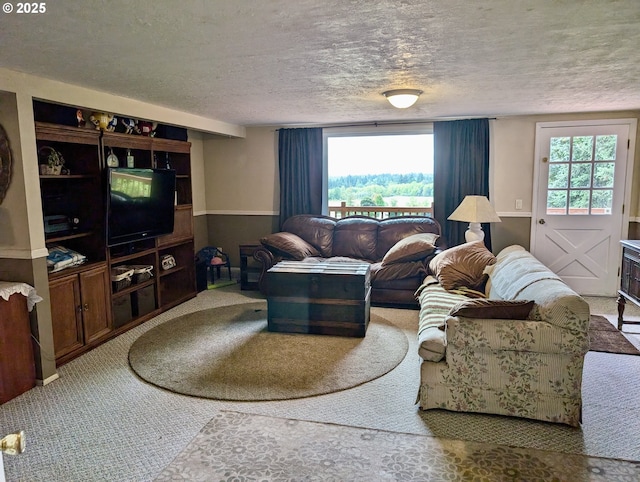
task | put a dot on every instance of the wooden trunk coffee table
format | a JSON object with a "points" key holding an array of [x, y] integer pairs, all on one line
{"points": [[324, 298]]}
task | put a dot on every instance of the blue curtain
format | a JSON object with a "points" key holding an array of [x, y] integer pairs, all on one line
{"points": [[460, 168], [300, 162]]}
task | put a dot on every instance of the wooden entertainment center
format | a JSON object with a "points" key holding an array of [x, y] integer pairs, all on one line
{"points": [[86, 308]]}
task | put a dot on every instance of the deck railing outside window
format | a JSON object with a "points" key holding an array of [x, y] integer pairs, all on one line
{"points": [[378, 212]]}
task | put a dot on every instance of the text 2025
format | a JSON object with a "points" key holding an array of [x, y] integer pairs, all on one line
{"points": [[34, 7]]}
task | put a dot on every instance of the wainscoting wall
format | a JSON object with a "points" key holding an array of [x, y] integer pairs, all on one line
{"points": [[229, 231]]}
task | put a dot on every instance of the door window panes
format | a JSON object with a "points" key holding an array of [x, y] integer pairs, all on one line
{"points": [[582, 148], [579, 201], [603, 174], [560, 149], [606, 148], [602, 201], [557, 202], [558, 176], [581, 175]]}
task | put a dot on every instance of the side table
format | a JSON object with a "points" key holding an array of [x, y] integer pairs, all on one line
{"points": [[249, 268], [17, 363]]}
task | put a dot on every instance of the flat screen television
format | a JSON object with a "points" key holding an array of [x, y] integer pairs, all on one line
{"points": [[140, 204]]}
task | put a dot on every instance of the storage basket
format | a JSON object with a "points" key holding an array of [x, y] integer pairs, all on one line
{"points": [[121, 277], [141, 272]]}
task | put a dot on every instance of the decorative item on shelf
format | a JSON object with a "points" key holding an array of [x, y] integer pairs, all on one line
{"points": [[112, 159], [166, 161], [128, 125], [5, 164], [60, 258], [104, 121], [121, 277], [130, 159], [475, 210], [147, 128], [80, 117], [168, 262], [51, 161], [141, 273]]}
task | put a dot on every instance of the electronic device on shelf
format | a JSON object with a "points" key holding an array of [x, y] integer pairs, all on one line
{"points": [[140, 204], [56, 223]]}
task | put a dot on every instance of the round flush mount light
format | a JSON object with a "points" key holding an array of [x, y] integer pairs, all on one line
{"points": [[402, 98]]}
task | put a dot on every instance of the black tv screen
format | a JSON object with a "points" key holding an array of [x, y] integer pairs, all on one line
{"points": [[140, 204]]}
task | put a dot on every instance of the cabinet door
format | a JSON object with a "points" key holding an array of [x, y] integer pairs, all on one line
{"points": [[634, 280], [96, 310], [66, 315], [625, 276]]}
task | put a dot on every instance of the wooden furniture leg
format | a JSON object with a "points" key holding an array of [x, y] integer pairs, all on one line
{"points": [[621, 305]]}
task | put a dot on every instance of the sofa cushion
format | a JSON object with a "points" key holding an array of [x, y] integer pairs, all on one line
{"points": [[392, 230], [514, 271], [493, 309], [411, 248], [316, 230], [397, 271], [289, 245], [356, 238], [519, 275], [462, 265]]}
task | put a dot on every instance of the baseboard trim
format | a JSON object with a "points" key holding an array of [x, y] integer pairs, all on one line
{"points": [[46, 381]]}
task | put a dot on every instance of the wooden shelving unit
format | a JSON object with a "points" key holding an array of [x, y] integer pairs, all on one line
{"points": [[86, 307]]}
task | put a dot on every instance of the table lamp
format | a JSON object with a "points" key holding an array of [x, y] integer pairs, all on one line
{"points": [[475, 210]]}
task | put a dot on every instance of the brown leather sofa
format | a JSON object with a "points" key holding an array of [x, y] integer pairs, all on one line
{"points": [[399, 249]]}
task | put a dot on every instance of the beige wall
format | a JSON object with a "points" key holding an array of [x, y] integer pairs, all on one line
{"points": [[242, 194], [198, 185], [513, 148], [242, 174], [249, 169], [13, 210]]}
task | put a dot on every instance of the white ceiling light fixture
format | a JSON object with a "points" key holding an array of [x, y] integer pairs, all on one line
{"points": [[402, 98]]}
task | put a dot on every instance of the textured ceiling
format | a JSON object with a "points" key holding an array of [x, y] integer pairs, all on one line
{"points": [[295, 62]]}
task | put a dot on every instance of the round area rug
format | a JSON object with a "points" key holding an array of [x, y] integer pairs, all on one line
{"points": [[228, 354]]}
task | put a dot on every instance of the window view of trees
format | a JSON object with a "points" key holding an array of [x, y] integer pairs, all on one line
{"points": [[398, 190], [380, 170], [581, 174]]}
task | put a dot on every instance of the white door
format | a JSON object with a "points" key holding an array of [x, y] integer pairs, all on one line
{"points": [[578, 219]]}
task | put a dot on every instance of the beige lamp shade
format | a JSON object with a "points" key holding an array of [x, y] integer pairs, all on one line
{"points": [[475, 210]]}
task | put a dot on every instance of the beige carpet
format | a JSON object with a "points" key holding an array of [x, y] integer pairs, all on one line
{"points": [[227, 354], [606, 338], [242, 446]]}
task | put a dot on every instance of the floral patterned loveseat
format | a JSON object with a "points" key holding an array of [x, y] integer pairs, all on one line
{"points": [[519, 351]]}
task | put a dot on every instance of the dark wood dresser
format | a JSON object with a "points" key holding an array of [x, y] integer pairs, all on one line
{"points": [[629, 279]]}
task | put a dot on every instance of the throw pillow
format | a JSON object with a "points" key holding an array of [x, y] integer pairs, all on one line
{"points": [[411, 248], [493, 309], [462, 265], [289, 245]]}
